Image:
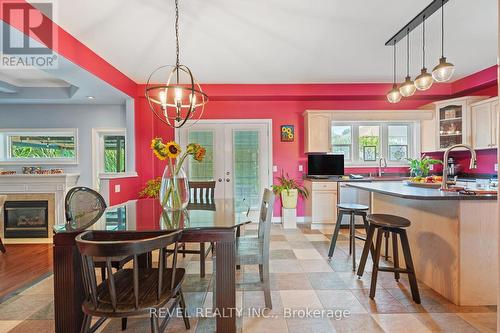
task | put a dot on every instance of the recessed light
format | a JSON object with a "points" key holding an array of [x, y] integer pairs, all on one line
{"points": [[90, 97]]}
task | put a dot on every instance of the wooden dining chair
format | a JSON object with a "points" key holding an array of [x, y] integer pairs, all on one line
{"points": [[255, 250], [130, 291], [3, 198], [201, 197]]}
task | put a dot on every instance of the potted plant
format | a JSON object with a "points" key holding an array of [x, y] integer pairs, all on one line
{"points": [[289, 190], [421, 167]]}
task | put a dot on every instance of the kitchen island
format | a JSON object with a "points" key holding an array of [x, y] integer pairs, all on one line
{"points": [[453, 238]]}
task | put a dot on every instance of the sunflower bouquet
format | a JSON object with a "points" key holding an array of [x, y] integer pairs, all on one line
{"points": [[174, 190]]}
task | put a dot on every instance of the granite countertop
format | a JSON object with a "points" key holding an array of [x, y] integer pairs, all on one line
{"points": [[398, 189]]}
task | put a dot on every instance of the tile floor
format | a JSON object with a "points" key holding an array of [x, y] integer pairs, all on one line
{"points": [[301, 277]]}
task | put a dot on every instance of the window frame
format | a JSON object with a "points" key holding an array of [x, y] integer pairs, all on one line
{"points": [[5, 133], [355, 160], [98, 135]]}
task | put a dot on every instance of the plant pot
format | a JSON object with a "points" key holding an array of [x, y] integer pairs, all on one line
{"points": [[174, 190], [289, 198]]}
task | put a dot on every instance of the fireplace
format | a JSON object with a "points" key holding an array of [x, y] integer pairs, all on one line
{"points": [[26, 219]]}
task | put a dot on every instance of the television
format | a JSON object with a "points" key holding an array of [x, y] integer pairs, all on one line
{"points": [[325, 165]]}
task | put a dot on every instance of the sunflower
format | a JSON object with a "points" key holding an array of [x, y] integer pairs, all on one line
{"points": [[199, 154], [172, 149], [158, 148]]}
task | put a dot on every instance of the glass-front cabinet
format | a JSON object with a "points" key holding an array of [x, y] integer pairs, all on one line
{"points": [[454, 121]]}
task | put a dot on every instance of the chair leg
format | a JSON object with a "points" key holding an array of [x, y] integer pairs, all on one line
{"points": [[366, 248], [350, 233], [214, 283], [335, 234], [182, 303], [2, 247], [202, 259], [261, 273], [86, 323], [124, 324], [353, 240], [183, 246], [367, 226], [409, 266], [103, 274], [155, 327], [387, 245], [373, 285], [267, 285], [395, 254]]}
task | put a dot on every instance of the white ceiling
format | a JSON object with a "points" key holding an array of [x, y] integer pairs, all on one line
{"points": [[279, 41]]}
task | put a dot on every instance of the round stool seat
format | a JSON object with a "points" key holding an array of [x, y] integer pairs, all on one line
{"points": [[352, 206], [389, 221]]}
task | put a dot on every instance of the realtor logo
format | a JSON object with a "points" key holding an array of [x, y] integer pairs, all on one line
{"points": [[34, 47]]}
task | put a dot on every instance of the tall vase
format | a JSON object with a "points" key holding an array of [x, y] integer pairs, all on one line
{"points": [[174, 189]]}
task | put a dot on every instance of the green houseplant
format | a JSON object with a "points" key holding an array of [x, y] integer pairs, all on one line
{"points": [[421, 167], [289, 190]]}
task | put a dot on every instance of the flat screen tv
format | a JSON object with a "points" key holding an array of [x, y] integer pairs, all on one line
{"points": [[325, 165]]}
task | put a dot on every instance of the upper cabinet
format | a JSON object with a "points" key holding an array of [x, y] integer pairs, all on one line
{"points": [[484, 121], [454, 122], [317, 132]]}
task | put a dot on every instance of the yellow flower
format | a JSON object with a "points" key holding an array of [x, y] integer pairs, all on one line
{"points": [[159, 148], [172, 149], [199, 155]]}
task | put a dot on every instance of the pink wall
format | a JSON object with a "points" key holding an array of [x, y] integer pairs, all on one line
{"points": [[486, 160]]}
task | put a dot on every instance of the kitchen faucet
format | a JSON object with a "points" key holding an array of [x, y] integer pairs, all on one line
{"points": [[473, 162], [380, 171]]}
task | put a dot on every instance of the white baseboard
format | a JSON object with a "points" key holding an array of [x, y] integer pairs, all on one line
{"points": [[277, 219]]}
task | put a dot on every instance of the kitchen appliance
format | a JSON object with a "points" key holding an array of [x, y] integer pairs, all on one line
{"points": [[325, 165], [452, 167]]}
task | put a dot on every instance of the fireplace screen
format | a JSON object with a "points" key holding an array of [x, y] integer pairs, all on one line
{"points": [[26, 219]]}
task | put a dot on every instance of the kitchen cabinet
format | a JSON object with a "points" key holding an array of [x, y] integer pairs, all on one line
{"points": [[317, 132], [454, 124], [484, 121], [321, 205], [428, 133]]}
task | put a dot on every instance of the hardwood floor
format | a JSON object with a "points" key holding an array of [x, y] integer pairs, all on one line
{"points": [[22, 265]]}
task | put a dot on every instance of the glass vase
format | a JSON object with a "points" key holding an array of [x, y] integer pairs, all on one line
{"points": [[174, 189]]}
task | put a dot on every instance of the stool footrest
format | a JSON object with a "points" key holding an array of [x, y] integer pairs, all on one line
{"points": [[394, 270]]}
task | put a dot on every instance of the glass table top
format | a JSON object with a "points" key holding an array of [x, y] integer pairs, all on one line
{"points": [[148, 215]]}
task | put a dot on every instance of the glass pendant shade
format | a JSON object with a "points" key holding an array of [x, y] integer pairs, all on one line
{"points": [[424, 81], [443, 71], [394, 96], [407, 88]]}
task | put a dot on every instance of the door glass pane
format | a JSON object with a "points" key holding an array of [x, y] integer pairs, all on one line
{"points": [[369, 143], [114, 153], [246, 169], [398, 142], [342, 140], [204, 170]]}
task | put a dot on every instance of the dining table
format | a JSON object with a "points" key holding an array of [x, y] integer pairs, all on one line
{"points": [[215, 222]]}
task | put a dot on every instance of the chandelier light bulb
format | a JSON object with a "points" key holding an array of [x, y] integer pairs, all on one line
{"points": [[407, 88], [424, 81], [443, 71], [394, 96]]}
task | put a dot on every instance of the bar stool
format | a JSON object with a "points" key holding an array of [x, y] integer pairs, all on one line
{"points": [[394, 225], [352, 210]]}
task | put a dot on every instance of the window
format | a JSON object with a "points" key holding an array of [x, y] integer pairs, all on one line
{"points": [[48, 146], [342, 140], [364, 143], [114, 153], [204, 170]]}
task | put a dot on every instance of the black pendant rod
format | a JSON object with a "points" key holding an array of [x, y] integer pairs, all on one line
{"points": [[416, 21]]}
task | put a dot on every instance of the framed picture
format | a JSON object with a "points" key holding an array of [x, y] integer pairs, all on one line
{"points": [[287, 133], [369, 153], [398, 152]]}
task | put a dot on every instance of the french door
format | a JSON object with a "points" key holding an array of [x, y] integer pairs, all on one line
{"points": [[238, 158]]}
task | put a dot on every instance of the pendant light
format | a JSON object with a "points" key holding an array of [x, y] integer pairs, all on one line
{"points": [[394, 96], [424, 81], [407, 88], [181, 97], [444, 70]]}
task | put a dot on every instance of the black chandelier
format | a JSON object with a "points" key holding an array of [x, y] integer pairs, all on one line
{"points": [[181, 97]]}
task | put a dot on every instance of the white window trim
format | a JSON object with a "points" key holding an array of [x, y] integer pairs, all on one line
{"points": [[4, 149], [98, 151], [354, 161]]}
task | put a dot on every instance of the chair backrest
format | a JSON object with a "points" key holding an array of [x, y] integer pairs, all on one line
{"points": [[265, 217], [3, 198], [202, 192], [83, 207], [91, 245]]}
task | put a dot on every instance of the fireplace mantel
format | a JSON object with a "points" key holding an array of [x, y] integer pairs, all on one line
{"points": [[58, 184]]}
